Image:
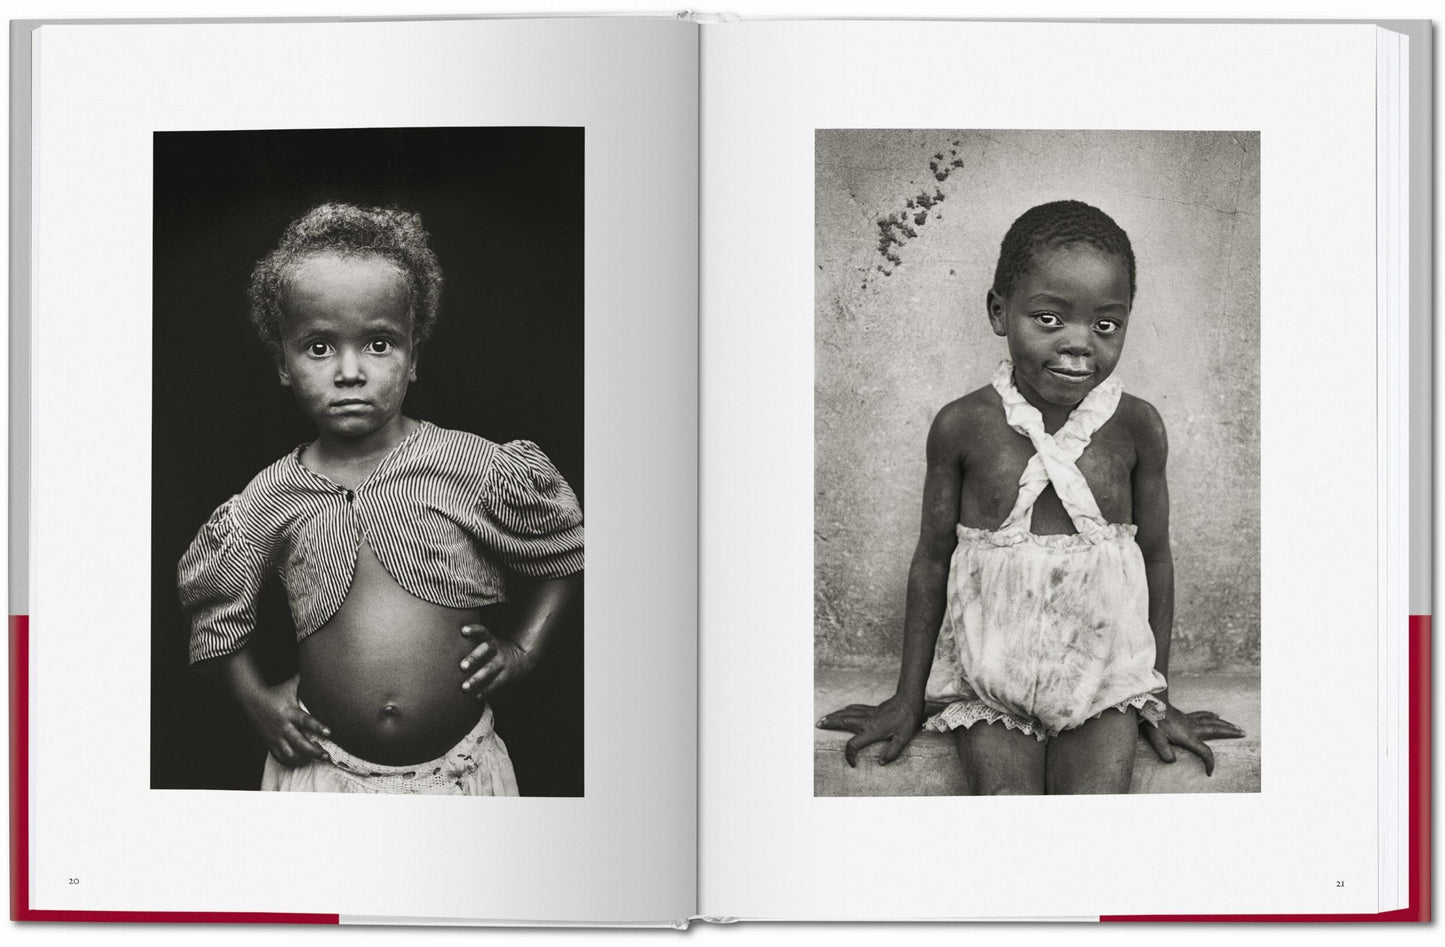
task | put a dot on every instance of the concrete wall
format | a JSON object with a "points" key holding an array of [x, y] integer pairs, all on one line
{"points": [[901, 330]]}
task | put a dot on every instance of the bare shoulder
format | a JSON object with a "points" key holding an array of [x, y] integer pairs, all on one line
{"points": [[962, 422], [1145, 425]]}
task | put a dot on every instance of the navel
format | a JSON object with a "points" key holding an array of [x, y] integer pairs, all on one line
{"points": [[390, 709]]}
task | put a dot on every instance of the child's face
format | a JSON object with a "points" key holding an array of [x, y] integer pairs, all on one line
{"points": [[1065, 320], [346, 348]]}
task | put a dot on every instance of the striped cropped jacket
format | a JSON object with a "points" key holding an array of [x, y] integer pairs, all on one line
{"points": [[447, 514]]}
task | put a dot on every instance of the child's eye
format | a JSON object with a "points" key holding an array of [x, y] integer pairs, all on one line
{"points": [[318, 349], [1106, 326], [1047, 319], [379, 347]]}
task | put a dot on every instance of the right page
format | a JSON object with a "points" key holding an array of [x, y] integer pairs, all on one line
{"points": [[1171, 231]]}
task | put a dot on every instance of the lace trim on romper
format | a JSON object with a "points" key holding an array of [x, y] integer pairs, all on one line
{"points": [[966, 713], [1102, 545]]}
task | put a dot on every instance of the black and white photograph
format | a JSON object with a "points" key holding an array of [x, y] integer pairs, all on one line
{"points": [[1048, 342], [367, 467]]}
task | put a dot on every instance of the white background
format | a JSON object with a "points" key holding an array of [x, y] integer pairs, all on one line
{"points": [[1173, 850]]}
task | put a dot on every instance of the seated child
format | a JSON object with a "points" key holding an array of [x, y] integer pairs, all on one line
{"points": [[391, 535], [1041, 593]]}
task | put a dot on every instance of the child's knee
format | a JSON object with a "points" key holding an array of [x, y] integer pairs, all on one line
{"points": [[1009, 787], [1098, 757], [998, 761]]}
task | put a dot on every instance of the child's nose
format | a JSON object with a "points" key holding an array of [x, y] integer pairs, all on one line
{"points": [[1077, 341], [348, 368]]}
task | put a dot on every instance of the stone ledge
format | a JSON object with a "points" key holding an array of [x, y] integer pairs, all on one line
{"points": [[930, 767]]}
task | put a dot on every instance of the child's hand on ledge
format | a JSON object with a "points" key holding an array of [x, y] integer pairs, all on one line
{"points": [[1189, 730], [494, 663], [284, 728], [895, 720]]}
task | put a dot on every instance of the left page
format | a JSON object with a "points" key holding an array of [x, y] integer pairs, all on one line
{"points": [[240, 370]]}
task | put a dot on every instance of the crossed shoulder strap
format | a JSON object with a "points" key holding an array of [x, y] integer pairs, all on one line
{"points": [[1058, 453]]}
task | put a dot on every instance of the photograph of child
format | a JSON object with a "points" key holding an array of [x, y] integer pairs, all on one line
{"points": [[1079, 606], [392, 604]]}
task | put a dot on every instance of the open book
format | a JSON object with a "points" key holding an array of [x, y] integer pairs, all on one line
{"points": [[724, 280]]}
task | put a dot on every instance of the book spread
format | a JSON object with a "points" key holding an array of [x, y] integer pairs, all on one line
{"points": [[331, 381]]}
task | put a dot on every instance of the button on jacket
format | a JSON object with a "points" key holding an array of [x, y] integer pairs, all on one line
{"points": [[447, 514]]}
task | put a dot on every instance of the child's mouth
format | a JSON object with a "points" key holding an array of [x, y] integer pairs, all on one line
{"points": [[1073, 376]]}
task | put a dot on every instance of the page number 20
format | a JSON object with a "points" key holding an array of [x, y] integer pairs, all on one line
{"points": [[74, 881]]}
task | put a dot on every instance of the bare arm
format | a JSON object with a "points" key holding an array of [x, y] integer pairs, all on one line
{"points": [[898, 718], [1151, 516], [928, 573], [498, 660], [272, 710]]}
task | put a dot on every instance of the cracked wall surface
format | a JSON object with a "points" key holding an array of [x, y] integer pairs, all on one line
{"points": [[908, 226]]}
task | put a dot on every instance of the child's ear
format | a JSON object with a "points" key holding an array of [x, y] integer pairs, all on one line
{"points": [[997, 314]]}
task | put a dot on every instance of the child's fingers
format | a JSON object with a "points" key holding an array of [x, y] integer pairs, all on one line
{"points": [[475, 631], [1210, 726], [859, 741], [479, 655], [854, 717], [1207, 717], [1160, 743], [302, 745], [479, 682], [288, 755], [892, 751], [1200, 749], [1202, 718], [281, 752], [308, 724], [843, 720]]}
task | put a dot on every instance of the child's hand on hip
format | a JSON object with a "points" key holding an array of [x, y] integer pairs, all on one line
{"points": [[895, 720], [283, 726], [1189, 730], [494, 663]]}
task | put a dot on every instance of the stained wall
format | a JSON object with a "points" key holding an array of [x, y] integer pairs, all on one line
{"points": [[907, 234]]}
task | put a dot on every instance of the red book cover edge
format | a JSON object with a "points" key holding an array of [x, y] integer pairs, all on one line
{"points": [[20, 910], [1419, 841]]}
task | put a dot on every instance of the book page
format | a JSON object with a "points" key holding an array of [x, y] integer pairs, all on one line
{"points": [[561, 213], [858, 183]]}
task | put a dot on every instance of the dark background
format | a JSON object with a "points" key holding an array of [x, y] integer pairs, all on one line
{"points": [[504, 207]]}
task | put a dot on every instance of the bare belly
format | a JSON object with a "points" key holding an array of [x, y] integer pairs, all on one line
{"points": [[384, 672]]}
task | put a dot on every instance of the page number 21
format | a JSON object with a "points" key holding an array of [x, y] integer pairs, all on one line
{"points": [[1339, 884]]}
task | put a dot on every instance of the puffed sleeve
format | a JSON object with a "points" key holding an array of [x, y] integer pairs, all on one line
{"points": [[528, 516], [219, 578]]}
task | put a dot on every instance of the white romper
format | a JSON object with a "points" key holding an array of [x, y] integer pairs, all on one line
{"points": [[1043, 633]]}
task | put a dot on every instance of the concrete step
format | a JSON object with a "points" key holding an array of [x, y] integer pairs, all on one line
{"points": [[930, 766]]}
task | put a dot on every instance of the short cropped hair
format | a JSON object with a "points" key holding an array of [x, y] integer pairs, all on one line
{"points": [[1059, 224], [348, 230]]}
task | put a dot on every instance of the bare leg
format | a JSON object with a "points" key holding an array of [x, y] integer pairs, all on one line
{"points": [[998, 761], [1097, 757]]}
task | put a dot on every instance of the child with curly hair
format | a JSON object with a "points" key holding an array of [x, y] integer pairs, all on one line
{"points": [[391, 535]]}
